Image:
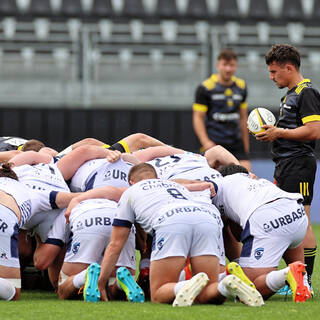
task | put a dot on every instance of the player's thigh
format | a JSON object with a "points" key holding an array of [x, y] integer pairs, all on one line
{"points": [[72, 268], [164, 271], [254, 273], [208, 264]]}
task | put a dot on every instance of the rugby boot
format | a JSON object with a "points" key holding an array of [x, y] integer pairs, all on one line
{"points": [[91, 292], [245, 293], [126, 282], [187, 294]]}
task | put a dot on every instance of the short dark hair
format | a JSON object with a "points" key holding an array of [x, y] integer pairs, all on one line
{"points": [[227, 54], [282, 54], [7, 172], [232, 169]]}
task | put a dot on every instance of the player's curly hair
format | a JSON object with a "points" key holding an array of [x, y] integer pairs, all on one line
{"points": [[232, 169], [282, 54], [7, 172]]}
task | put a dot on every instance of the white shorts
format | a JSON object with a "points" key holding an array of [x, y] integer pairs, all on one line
{"points": [[188, 234], [90, 235], [9, 253], [270, 231]]}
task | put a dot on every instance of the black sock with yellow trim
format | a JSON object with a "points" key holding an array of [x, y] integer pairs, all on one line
{"points": [[309, 256]]}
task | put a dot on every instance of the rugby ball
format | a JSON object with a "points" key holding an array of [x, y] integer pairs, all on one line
{"points": [[259, 117]]}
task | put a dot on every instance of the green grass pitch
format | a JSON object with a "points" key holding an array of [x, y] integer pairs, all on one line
{"points": [[37, 305]]}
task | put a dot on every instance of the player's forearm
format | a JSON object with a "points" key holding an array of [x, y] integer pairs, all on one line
{"points": [[200, 130], [303, 133]]}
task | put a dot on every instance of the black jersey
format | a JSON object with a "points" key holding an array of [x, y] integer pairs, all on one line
{"points": [[300, 105], [11, 143], [222, 105]]}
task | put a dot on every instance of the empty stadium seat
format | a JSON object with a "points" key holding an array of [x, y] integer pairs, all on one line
{"points": [[307, 7], [275, 8], [150, 6], [42, 28], [117, 6], [9, 27], [56, 5], [23, 5]]}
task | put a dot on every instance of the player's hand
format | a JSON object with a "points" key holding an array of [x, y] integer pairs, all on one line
{"points": [[113, 155], [71, 205], [208, 145], [271, 133], [102, 288]]}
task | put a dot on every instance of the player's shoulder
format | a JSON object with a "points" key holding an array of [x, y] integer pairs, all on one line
{"points": [[302, 86], [211, 82], [240, 83]]}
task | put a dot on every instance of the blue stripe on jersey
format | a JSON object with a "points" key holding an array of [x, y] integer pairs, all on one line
{"points": [[89, 184], [56, 242], [52, 199], [121, 223], [14, 242], [247, 241], [55, 159]]}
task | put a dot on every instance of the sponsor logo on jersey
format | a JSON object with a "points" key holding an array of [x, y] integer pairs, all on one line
{"points": [[258, 253], [115, 174], [75, 247], [160, 243], [97, 221], [287, 219]]}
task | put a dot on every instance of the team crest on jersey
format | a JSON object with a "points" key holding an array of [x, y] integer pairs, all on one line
{"points": [[75, 247], [160, 243], [258, 253], [4, 256]]}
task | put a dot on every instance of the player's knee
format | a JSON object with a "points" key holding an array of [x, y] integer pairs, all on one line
{"points": [[40, 263]]}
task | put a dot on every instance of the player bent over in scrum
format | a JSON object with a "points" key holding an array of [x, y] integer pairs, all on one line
{"points": [[274, 224], [181, 227], [91, 226]]}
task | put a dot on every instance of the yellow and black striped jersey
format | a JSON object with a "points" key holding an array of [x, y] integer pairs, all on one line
{"points": [[221, 104], [300, 105]]}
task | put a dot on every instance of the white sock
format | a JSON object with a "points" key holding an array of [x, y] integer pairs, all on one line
{"points": [[182, 276], [222, 276], [180, 285], [7, 290], [144, 263], [79, 279], [223, 290], [275, 280]]}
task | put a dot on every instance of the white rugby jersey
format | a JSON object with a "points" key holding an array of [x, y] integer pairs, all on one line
{"points": [[145, 201], [99, 173], [167, 167], [238, 196], [28, 201], [41, 177]]}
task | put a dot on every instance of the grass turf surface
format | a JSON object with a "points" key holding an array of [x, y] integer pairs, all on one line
{"points": [[38, 305]]}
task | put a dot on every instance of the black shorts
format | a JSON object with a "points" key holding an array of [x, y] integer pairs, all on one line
{"points": [[297, 175]]}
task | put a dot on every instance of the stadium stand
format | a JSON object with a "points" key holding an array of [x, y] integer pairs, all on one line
{"points": [[84, 52]]}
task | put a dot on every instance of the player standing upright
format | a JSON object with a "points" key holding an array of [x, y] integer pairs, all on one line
{"points": [[220, 109], [295, 133]]}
